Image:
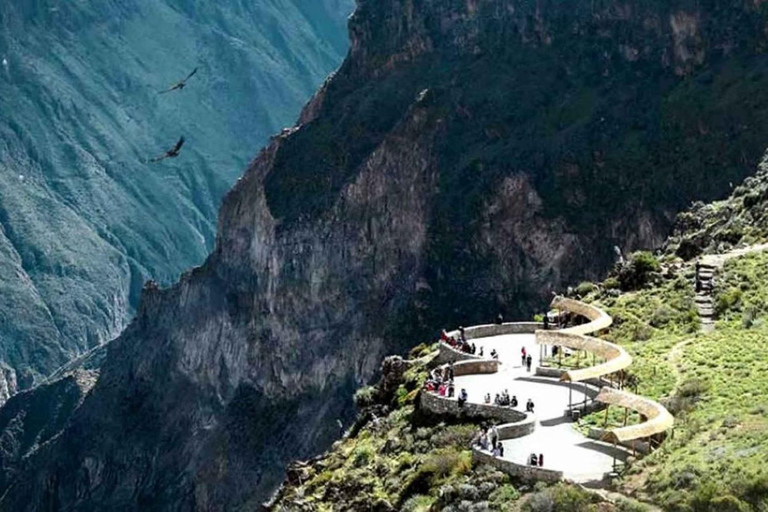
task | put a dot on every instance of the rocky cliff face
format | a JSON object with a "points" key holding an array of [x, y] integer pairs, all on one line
{"points": [[83, 220], [467, 158]]}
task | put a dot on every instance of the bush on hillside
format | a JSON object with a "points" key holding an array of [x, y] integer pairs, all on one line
{"points": [[639, 271], [585, 288], [366, 396]]}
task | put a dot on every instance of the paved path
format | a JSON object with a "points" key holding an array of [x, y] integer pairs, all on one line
{"points": [[581, 459]]}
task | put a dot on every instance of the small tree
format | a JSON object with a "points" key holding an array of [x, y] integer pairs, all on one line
{"points": [[639, 271]]}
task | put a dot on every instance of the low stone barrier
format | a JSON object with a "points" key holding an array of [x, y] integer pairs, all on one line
{"points": [[519, 429], [445, 406], [524, 472], [481, 367]]}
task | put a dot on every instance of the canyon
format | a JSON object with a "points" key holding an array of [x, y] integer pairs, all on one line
{"points": [[468, 158]]}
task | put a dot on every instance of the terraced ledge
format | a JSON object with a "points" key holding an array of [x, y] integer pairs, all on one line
{"points": [[516, 424], [448, 354]]}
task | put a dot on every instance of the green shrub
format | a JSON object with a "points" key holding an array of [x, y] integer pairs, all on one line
{"points": [[503, 497], [628, 505], [692, 388], [585, 288], [728, 300], [418, 503], [419, 351], [363, 455], [748, 318], [639, 271], [662, 316], [366, 396], [611, 284], [448, 462], [562, 498]]}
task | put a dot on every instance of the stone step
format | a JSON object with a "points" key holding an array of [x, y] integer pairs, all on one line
{"points": [[703, 298]]}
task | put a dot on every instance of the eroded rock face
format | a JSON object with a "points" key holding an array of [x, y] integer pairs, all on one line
{"points": [[468, 158]]}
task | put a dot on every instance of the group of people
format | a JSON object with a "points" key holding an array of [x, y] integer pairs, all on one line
{"points": [[461, 343], [487, 439], [502, 399], [440, 381]]}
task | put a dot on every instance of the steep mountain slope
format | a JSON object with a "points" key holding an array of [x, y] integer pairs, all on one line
{"points": [[83, 220], [467, 158]]}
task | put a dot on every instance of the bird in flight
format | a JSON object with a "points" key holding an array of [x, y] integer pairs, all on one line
{"points": [[171, 153], [181, 85]]}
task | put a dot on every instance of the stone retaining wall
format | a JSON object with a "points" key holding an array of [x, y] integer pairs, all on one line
{"points": [[515, 430], [441, 405], [481, 366], [527, 473]]}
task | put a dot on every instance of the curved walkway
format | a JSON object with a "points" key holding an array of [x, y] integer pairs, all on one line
{"points": [[567, 453]]}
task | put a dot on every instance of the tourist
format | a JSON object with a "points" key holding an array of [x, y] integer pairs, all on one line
{"points": [[494, 354], [513, 403], [450, 371], [462, 335], [541, 460], [451, 390], [497, 400], [484, 442], [523, 353], [494, 436], [528, 362], [442, 389], [462, 397], [496, 450], [481, 352], [444, 336], [473, 349], [529, 406], [488, 398], [499, 319], [534, 460], [500, 447]]}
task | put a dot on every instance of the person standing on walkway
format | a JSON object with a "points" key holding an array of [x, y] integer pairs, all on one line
{"points": [[494, 436], [462, 397], [541, 460], [528, 362], [529, 406], [523, 353]]}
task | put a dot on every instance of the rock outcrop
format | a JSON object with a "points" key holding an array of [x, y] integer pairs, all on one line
{"points": [[467, 158]]}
